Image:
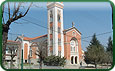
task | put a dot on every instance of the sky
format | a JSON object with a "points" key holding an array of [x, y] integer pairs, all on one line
{"points": [[89, 18]]}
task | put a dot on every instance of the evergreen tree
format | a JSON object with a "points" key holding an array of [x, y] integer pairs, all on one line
{"points": [[94, 40], [110, 50], [110, 45], [94, 51], [105, 58]]}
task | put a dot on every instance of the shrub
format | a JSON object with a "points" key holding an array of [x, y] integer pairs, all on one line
{"points": [[54, 61]]}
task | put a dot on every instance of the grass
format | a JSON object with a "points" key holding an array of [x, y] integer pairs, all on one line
{"points": [[26, 64]]}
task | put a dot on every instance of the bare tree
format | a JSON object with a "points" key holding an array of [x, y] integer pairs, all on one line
{"points": [[41, 52], [6, 23], [12, 55]]}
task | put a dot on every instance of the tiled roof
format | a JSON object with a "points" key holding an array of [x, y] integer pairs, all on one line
{"points": [[13, 41], [27, 38]]}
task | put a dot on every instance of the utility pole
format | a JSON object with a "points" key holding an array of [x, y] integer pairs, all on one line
{"points": [[22, 53]]}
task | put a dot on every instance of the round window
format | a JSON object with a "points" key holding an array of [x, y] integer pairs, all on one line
{"points": [[72, 43]]}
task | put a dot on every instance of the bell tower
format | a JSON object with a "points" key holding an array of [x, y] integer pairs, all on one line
{"points": [[55, 29]]}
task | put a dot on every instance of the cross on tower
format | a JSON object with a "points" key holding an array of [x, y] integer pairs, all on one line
{"points": [[72, 24]]}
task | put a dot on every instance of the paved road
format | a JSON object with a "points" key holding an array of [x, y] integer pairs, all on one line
{"points": [[90, 66]]}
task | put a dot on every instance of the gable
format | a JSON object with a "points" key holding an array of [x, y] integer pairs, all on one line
{"points": [[71, 29], [18, 39]]}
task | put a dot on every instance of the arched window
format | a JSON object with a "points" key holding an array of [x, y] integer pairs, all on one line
{"points": [[72, 44], [58, 16], [51, 16], [51, 30], [30, 52], [76, 60], [25, 51], [72, 60], [74, 49]]}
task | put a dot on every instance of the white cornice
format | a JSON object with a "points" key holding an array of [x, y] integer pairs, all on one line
{"points": [[52, 3]]}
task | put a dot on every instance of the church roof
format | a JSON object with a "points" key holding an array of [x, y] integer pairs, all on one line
{"points": [[27, 38], [11, 41], [71, 29]]}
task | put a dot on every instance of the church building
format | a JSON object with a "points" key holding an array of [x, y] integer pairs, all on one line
{"points": [[60, 42]]}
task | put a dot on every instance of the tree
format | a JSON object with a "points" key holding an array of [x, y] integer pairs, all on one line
{"points": [[110, 50], [86, 59], [41, 51], [110, 58], [94, 40], [12, 55], [107, 55], [104, 58], [6, 23], [94, 51], [110, 45]]}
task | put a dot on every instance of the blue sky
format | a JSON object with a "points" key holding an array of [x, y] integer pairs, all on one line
{"points": [[89, 18]]}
